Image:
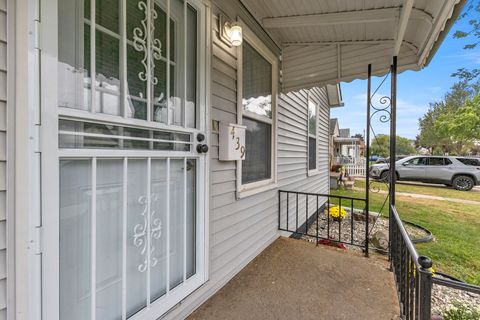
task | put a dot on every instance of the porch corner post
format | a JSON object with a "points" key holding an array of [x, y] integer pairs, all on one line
{"points": [[425, 290], [367, 157], [393, 145]]}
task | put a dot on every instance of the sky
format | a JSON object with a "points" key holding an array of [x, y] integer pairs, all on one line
{"points": [[415, 89]]}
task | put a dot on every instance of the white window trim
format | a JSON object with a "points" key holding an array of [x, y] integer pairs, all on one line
{"points": [[245, 190], [312, 172]]}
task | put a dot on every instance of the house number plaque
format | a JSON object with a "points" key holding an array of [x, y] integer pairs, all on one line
{"points": [[231, 142]]}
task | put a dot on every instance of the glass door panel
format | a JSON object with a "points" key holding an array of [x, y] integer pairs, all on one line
{"points": [[136, 242], [127, 233], [75, 239], [109, 227]]}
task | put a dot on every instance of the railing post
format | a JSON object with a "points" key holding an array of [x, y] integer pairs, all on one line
{"points": [[279, 207], [367, 163], [425, 281], [393, 142]]}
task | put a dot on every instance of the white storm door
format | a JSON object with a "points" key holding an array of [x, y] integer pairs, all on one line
{"points": [[123, 188]]}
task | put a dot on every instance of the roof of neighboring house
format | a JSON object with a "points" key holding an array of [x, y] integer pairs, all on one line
{"points": [[346, 139], [333, 124], [345, 133]]}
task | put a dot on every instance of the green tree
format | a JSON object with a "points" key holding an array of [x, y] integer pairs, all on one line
{"points": [[471, 33], [463, 124], [437, 138], [381, 146]]}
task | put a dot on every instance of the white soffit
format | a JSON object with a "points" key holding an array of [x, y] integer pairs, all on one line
{"points": [[334, 94], [329, 41]]}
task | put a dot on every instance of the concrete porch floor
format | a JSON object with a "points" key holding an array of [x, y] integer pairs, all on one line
{"points": [[293, 279]]}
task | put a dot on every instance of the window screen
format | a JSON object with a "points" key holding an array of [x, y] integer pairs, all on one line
{"points": [[257, 163], [312, 155], [312, 135], [257, 115], [257, 82]]}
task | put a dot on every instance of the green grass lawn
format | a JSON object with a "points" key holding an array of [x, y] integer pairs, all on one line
{"points": [[439, 190], [456, 228]]}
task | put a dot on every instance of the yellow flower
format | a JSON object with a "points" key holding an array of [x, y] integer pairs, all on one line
{"points": [[336, 213], [415, 270]]}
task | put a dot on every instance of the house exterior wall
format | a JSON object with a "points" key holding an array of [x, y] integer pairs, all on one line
{"points": [[3, 157], [241, 228]]}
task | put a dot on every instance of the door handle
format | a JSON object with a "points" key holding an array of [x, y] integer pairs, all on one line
{"points": [[202, 148]]}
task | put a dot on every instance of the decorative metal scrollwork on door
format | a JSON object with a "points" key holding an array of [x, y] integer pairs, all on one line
{"points": [[144, 41], [142, 238]]}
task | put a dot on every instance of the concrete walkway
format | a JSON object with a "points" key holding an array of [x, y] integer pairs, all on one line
{"points": [[429, 197], [293, 279]]}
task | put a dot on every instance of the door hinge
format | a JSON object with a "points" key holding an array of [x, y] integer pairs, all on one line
{"points": [[36, 244], [37, 25], [35, 15]]}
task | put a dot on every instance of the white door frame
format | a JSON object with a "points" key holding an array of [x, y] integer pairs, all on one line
{"points": [[50, 155]]}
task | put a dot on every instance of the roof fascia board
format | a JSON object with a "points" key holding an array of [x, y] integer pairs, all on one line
{"points": [[402, 25], [347, 17]]}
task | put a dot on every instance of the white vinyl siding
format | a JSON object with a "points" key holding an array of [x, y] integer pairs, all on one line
{"points": [[3, 157], [241, 228]]}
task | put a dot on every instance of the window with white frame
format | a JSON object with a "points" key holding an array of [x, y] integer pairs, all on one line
{"points": [[257, 112], [312, 134]]}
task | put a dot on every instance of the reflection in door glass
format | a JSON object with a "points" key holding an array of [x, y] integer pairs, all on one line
{"points": [[109, 225], [75, 235], [136, 235], [148, 71]]}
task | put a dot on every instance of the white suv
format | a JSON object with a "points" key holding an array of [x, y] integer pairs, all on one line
{"points": [[463, 173]]}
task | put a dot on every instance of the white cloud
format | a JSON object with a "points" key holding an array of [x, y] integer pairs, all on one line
{"points": [[473, 56]]}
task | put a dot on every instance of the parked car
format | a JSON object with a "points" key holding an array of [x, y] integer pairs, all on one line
{"points": [[387, 160], [462, 173], [373, 158]]}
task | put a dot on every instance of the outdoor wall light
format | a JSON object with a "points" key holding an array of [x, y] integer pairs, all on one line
{"points": [[230, 32], [234, 32]]}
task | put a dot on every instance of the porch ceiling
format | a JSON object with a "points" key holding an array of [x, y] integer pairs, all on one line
{"points": [[334, 40]]}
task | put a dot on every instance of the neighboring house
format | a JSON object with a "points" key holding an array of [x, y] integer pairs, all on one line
{"points": [[114, 203], [423, 151], [334, 131], [343, 145]]}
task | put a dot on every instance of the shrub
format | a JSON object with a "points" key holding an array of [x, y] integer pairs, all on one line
{"points": [[461, 311]]}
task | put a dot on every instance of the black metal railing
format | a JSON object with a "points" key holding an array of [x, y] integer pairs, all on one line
{"points": [[413, 274], [304, 213]]}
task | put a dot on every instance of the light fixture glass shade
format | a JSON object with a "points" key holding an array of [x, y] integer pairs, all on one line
{"points": [[235, 35]]}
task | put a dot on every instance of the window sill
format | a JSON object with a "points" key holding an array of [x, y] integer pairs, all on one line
{"points": [[252, 191], [313, 172]]}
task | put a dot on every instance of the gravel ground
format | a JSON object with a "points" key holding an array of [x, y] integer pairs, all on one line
{"points": [[442, 297], [330, 230]]}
